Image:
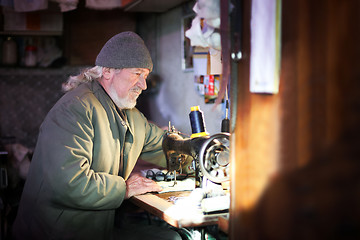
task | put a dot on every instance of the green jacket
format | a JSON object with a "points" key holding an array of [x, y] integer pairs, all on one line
{"points": [[75, 183]]}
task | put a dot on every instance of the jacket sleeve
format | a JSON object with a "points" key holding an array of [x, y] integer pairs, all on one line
{"points": [[66, 150], [152, 150]]}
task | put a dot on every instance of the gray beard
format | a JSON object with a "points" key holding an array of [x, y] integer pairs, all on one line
{"points": [[122, 103]]}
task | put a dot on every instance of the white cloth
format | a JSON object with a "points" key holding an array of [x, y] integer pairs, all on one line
{"points": [[195, 34], [203, 37], [67, 5], [209, 10], [205, 34], [187, 184], [265, 47]]}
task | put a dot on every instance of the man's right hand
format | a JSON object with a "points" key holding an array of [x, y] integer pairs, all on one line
{"points": [[137, 185]]}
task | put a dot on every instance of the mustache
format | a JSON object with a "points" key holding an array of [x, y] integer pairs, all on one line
{"points": [[136, 90]]}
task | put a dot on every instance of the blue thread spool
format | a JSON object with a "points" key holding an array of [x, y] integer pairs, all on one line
{"points": [[197, 122]]}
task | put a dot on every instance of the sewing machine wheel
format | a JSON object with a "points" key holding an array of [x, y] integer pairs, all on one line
{"points": [[214, 158]]}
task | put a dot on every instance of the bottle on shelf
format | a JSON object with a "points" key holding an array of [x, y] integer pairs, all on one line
{"points": [[30, 56], [9, 57]]}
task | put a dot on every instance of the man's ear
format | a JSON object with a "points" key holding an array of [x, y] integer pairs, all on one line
{"points": [[107, 73]]}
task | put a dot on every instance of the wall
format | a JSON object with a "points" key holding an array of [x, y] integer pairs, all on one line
{"points": [[295, 168], [176, 95], [162, 32], [29, 93], [27, 96], [87, 30]]}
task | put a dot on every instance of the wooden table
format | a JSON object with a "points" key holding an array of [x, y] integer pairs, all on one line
{"points": [[160, 206], [224, 223]]}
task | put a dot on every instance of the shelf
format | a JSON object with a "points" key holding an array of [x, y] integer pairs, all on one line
{"points": [[31, 33], [155, 6], [6, 72]]}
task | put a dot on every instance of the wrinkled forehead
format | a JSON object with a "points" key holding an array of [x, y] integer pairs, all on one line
{"points": [[133, 70]]}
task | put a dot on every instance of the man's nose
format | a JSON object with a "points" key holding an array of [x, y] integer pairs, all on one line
{"points": [[142, 83]]}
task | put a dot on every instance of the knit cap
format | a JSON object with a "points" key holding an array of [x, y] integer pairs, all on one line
{"points": [[124, 50]]}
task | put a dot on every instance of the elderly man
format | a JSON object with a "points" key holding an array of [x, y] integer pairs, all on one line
{"points": [[87, 147]]}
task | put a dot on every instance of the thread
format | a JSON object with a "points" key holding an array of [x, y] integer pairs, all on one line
{"points": [[197, 122], [225, 124]]}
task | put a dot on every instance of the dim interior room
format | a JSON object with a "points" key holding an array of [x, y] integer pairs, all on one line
{"points": [[294, 169], [30, 91], [169, 96]]}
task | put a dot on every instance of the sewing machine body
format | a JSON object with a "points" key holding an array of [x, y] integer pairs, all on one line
{"points": [[210, 155]]}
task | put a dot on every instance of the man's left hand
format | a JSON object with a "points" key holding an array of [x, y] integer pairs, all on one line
{"points": [[137, 185]]}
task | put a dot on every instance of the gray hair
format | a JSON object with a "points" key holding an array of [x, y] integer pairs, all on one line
{"points": [[87, 75]]}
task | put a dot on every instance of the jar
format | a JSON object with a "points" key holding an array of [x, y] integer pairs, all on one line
{"points": [[30, 56], [9, 52]]}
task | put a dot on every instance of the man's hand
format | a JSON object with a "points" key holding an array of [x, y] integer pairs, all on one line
{"points": [[137, 185]]}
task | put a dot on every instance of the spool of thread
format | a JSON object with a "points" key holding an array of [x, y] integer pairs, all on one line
{"points": [[225, 124], [197, 122]]}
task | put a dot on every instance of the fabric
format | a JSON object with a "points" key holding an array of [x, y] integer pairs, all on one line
{"points": [[195, 33], [20, 161], [203, 35], [125, 50], [103, 4], [209, 10], [67, 5], [204, 31], [73, 186], [30, 6], [7, 3]]}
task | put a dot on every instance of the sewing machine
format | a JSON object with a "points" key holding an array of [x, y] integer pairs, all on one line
{"points": [[210, 154]]}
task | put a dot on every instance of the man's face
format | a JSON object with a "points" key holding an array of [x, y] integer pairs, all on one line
{"points": [[126, 85]]}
